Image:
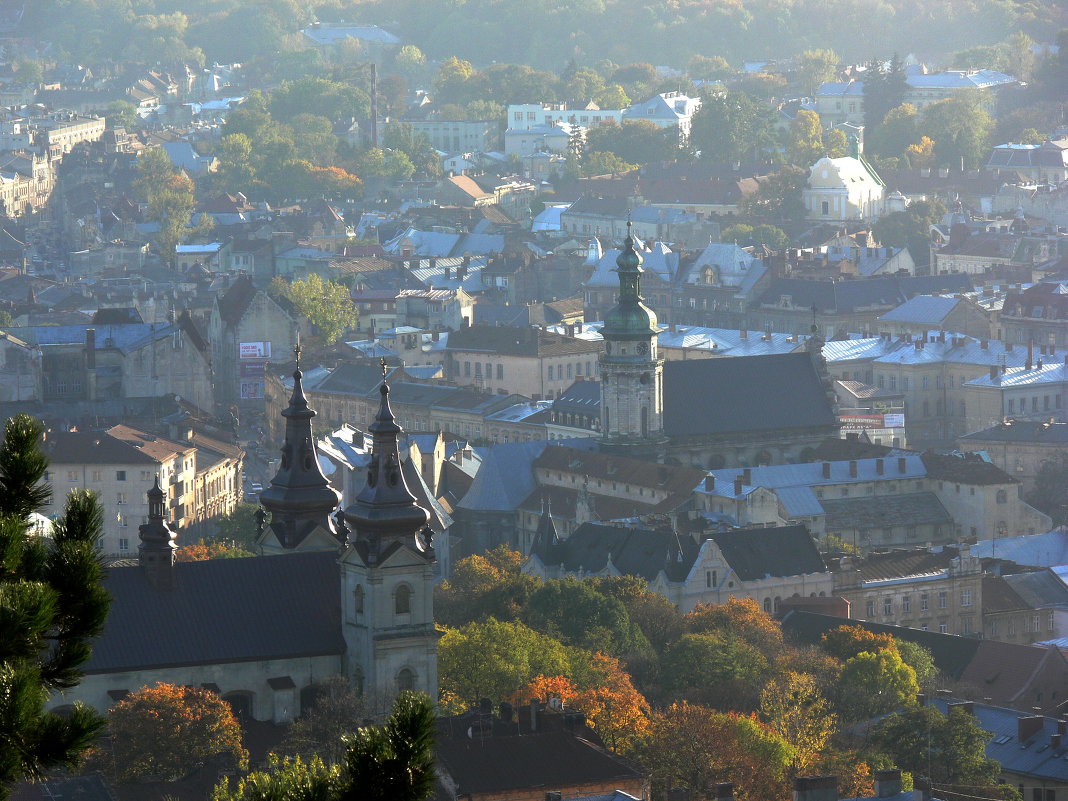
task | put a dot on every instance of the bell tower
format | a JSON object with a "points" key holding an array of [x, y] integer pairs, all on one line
{"points": [[632, 372], [388, 574]]}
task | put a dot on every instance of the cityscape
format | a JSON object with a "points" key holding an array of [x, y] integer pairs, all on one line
{"points": [[558, 402]]}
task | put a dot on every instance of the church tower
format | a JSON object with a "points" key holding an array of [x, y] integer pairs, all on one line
{"points": [[156, 553], [300, 498], [632, 372], [388, 575]]}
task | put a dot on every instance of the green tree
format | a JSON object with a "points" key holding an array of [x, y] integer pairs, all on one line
{"points": [[884, 88], [602, 163], [238, 526], [795, 708], [718, 668], [815, 67], [6, 320], [166, 731], [291, 779], [576, 612], [806, 139], [410, 62], [950, 749], [170, 206], [708, 68], [395, 761], [739, 234], [326, 304], [770, 236], [910, 228], [636, 142], [897, 131], [920, 659], [52, 604], [960, 127], [482, 586], [121, 114], [452, 76], [835, 144], [321, 97], [875, 683], [779, 196], [731, 127], [612, 96]]}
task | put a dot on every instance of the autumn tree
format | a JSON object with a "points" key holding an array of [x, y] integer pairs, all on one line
{"points": [[694, 747], [960, 127], [806, 139], [483, 586], [203, 550], [166, 731], [616, 710], [326, 304], [741, 617], [719, 668], [875, 683], [793, 706], [52, 604]]}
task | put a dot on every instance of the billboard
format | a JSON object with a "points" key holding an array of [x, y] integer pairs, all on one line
{"points": [[251, 369], [251, 390], [867, 422], [254, 350]]}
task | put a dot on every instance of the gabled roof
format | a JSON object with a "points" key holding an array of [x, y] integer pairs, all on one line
{"points": [[923, 309], [235, 301], [885, 511], [744, 394], [220, 611], [758, 553]]}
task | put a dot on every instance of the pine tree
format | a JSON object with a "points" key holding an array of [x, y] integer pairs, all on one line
{"points": [[52, 603], [395, 761]]}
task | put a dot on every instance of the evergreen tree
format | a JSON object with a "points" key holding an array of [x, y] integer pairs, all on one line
{"points": [[52, 603]]}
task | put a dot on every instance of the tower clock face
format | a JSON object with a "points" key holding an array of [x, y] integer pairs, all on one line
{"points": [[643, 348]]}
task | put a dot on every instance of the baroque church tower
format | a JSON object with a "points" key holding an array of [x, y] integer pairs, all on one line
{"points": [[632, 372], [387, 570], [300, 498]]}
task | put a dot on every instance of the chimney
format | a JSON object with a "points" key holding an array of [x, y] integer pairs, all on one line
{"points": [[533, 714], [826, 469], [816, 788], [878, 467], [901, 464], [433, 262], [1030, 353], [725, 791], [1062, 727], [747, 475], [984, 344], [921, 699], [852, 468], [743, 334], [887, 783], [738, 485], [1027, 726], [710, 483], [1055, 741], [921, 788], [993, 372], [90, 348]]}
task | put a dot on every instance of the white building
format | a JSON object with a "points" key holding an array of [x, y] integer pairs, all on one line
{"points": [[843, 189]]}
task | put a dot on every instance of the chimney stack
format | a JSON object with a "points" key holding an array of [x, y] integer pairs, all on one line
{"points": [[921, 788], [738, 485], [826, 469], [901, 464], [710, 483], [852, 468], [1027, 726], [879, 467], [887, 783], [90, 348], [816, 788], [747, 475]]}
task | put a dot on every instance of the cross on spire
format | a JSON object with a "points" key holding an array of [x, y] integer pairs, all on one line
{"points": [[297, 350], [382, 364]]}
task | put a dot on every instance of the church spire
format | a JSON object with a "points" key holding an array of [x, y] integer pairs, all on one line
{"points": [[631, 318], [300, 496], [156, 552], [386, 509]]}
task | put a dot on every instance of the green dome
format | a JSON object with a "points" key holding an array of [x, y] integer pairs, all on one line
{"points": [[630, 318]]}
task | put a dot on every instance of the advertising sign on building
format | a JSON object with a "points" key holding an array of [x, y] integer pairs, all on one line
{"points": [[252, 369], [255, 350], [251, 390], [870, 422]]}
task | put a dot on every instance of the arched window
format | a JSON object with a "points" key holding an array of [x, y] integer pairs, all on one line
{"points": [[240, 703], [402, 599], [406, 679], [1003, 497], [358, 597], [767, 605]]}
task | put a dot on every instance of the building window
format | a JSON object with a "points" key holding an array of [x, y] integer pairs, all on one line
{"points": [[1034, 623], [1002, 496], [923, 602], [965, 597], [888, 606], [406, 680], [500, 372], [121, 520], [402, 600], [549, 373], [120, 498], [467, 369], [906, 604], [98, 475], [1050, 621], [358, 598], [72, 475], [943, 600], [124, 543], [869, 607], [943, 628], [120, 475]]}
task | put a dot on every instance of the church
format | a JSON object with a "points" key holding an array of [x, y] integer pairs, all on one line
{"points": [[355, 599]]}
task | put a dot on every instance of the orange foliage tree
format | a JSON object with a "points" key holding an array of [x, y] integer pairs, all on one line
{"points": [[845, 642], [202, 550], [742, 617], [166, 731]]}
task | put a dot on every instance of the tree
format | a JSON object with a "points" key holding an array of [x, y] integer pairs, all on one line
{"points": [[845, 642], [285, 778], [52, 604], [637, 141], [897, 131], [920, 659], [452, 75], [806, 138], [739, 617], [815, 67], [326, 305], [395, 761], [693, 747], [617, 711], [884, 88], [166, 731], [602, 163], [910, 228], [121, 114], [960, 127], [411, 62], [321, 730], [793, 706], [720, 668], [835, 144], [203, 550], [731, 127], [496, 659], [612, 96], [239, 526], [483, 586], [708, 68], [875, 683], [321, 97], [779, 196], [577, 613], [170, 206], [1050, 493], [950, 749]]}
